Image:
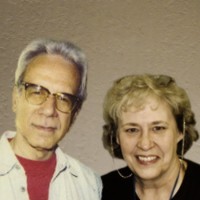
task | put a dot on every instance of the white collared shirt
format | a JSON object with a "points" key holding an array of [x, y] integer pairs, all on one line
{"points": [[71, 180]]}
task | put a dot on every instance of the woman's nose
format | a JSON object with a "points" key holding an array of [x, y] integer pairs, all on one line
{"points": [[145, 141]]}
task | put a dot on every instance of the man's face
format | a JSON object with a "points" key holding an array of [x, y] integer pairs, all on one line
{"points": [[41, 127]]}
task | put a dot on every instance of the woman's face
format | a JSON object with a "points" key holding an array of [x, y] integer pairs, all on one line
{"points": [[148, 138]]}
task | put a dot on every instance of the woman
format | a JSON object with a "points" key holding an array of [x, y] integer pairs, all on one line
{"points": [[150, 124]]}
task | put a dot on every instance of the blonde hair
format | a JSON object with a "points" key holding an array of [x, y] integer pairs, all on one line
{"points": [[133, 90]]}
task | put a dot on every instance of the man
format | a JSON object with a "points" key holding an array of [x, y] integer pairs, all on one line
{"points": [[50, 87]]}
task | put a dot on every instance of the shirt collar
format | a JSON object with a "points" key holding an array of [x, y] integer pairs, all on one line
{"points": [[64, 162], [8, 159]]}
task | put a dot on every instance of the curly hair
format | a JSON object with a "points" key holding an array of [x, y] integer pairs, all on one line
{"points": [[133, 90]]}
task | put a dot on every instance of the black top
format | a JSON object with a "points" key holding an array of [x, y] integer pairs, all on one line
{"points": [[117, 188]]}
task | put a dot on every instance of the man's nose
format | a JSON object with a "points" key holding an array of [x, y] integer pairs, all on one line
{"points": [[48, 108]]}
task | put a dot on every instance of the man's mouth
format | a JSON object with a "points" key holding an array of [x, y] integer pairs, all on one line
{"points": [[46, 128]]}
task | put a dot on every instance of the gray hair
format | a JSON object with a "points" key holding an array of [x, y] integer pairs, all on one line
{"points": [[67, 50]]}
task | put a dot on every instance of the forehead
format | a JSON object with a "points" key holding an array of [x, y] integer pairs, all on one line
{"points": [[152, 108], [52, 71]]}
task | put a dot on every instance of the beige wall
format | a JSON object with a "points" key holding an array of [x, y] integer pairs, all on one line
{"points": [[120, 37]]}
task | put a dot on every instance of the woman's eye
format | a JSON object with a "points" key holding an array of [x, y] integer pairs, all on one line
{"points": [[132, 130], [159, 128]]}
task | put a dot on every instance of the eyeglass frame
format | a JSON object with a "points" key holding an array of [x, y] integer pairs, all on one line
{"points": [[74, 99]]}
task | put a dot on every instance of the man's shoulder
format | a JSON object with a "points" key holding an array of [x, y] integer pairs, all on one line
{"points": [[78, 165], [85, 174], [81, 170]]}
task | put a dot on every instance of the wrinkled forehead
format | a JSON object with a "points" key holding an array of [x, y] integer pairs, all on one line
{"points": [[53, 72]]}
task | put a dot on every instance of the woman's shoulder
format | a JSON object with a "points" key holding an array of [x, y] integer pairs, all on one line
{"points": [[118, 179], [190, 185], [117, 174], [115, 186], [193, 167], [192, 177], [192, 174]]}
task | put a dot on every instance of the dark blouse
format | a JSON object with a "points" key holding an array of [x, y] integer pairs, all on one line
{"points": [[118, 188]]}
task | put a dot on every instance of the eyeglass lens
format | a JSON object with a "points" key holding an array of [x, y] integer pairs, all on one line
{"points": [[37, 95]]}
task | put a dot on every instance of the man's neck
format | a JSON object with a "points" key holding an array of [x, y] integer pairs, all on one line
{"points": [[32, 153]]}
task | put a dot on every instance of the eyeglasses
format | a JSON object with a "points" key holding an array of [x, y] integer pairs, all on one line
{"points": [[36, 95]]}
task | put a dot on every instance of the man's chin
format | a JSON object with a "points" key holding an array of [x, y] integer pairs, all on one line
{"points": [[45, 147]]}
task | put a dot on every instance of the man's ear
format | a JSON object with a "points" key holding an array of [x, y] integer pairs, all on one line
{"points": [[73, 116], [14, 98]]}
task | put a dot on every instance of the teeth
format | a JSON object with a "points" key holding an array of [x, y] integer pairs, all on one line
{"points": [[147, 158]]}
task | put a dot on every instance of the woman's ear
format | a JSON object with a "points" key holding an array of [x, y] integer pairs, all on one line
{"points": [[14, 99], [113, 133], [180, 137], [117, 138]]}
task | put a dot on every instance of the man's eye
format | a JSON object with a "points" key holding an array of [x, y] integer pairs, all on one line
{"points": [[37, 92], [33, 91], [63, 99]]}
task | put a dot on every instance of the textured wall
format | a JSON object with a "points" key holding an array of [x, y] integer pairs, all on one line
{"points": [[120, 37]]}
